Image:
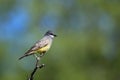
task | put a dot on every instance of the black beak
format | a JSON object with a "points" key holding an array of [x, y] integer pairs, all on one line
{"points": [[55, 35]]}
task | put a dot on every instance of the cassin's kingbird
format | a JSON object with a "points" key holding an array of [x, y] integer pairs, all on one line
{"points": [[41, 46]]}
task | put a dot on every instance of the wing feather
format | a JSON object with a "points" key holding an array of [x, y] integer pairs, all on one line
{"points": [[38, 45]]}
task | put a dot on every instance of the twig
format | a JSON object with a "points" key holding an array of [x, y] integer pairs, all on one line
{"points": [[37, 66]]}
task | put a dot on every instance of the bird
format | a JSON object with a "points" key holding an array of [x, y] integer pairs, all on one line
{"points": [[41, 46]]}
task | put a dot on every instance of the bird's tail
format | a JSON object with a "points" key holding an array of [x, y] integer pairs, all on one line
{"points": [[23, 56]]}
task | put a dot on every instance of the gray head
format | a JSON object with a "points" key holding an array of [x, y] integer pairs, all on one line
{"points": [[50, 33]]}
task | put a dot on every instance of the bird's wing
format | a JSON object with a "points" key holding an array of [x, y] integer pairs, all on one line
{"points": [[38, 45]]}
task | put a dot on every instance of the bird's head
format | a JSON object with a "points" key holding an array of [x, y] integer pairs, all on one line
{"points": [[50, 33]]}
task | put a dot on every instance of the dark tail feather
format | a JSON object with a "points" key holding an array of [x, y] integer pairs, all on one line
{"points": [[23, 56]]}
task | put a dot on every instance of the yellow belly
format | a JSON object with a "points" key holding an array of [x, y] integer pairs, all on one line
{"points": [[44, 49]]}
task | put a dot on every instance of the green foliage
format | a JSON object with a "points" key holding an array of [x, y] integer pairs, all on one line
{"points": [[87, 46]]}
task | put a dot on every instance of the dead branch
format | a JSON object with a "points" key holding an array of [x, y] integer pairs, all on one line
{"points": [[37, 66]]}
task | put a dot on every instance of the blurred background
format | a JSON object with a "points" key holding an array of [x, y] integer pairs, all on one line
{"points": [[87, 46]]}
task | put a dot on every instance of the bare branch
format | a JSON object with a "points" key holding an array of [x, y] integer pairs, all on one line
{"points": [[37, 66]]}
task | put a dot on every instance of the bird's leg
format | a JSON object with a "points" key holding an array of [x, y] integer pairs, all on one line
{"points": [[42, 54], [37, 57]]}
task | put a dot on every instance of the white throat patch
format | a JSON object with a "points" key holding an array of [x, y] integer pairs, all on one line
{"points": [[51, 36]]}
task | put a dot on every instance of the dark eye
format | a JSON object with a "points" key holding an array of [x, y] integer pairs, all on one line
{"points": [[51, 33]]}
